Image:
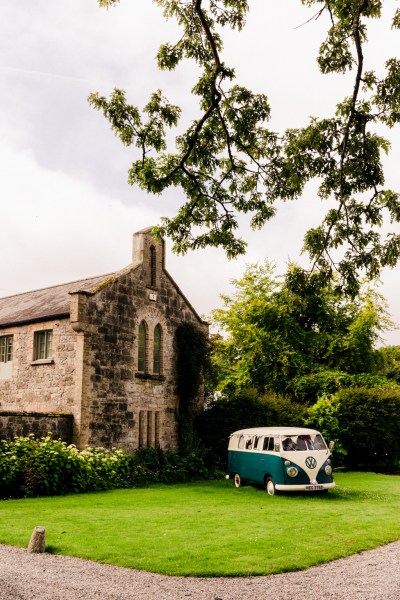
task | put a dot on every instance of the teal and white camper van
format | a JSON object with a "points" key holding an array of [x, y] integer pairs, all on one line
{"points": [[280, 458]]}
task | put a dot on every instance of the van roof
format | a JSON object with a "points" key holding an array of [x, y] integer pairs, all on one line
{"points": [[276, 431]]}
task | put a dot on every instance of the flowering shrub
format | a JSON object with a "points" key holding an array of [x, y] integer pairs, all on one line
{"points": [[41, 467]]}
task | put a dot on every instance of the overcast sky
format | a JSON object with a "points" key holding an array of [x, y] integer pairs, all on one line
{"points": [[67, 211]]}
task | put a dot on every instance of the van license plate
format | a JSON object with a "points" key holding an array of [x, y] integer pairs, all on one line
{"points": [[313, 488]]}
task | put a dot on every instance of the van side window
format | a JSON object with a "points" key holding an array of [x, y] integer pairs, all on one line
{"points": [[256, 444], [249, 442], [241, 442], [268, 444]]}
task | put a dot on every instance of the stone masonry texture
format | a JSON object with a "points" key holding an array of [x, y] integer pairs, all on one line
{"points": [[94, 372]]}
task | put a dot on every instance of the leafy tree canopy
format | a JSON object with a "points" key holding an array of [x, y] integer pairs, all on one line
{"points": [[390, 367], [284, 334], [228, 162]]}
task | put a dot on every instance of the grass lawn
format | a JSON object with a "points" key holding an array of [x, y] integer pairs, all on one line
{"points": [[211, 528]]}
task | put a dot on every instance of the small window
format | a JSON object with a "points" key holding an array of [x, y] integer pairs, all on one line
{"points": [[153, 267], [43, 345], [268, 445], [249, 442], [241, 442], [6, 348], [6, 355], [157, 350], [142, 349]]}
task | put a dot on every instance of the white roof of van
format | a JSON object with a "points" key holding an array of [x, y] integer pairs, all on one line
{"points": [[276, 431]]}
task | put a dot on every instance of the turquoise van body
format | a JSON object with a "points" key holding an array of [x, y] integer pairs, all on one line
{"points": [[281, 459]]}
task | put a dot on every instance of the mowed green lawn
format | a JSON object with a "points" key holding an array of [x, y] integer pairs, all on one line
{"points": [[211, 528]]}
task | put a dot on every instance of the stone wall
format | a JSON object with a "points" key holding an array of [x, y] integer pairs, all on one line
{"points": [[120, 406], [41, 386], [14, 424]]}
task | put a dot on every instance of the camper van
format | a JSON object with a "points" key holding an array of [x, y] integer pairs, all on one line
{"points": [[287, 459]]}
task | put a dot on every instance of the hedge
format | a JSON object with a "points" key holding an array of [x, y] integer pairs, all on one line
{"points": [[42, 467]]}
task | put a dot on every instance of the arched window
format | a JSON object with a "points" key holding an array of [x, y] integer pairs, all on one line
{"points": [[157, 350], [142, 347], [153, 267]]}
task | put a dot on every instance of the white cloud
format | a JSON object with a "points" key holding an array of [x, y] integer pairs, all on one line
{"points": [[56, 228]]}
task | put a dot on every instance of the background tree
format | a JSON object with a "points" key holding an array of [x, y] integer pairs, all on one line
{"points": [[365, 424], [227, 162], [294, 333], [390, 362]]}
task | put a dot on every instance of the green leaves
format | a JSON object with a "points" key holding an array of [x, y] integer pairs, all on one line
{"points": [[228, 163], [283, 334]]}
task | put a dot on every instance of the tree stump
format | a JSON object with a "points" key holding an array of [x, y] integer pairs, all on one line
{"points": [[37, 542]]}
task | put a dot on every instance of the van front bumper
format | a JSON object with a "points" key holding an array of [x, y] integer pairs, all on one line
{"points": [[305, 487]]}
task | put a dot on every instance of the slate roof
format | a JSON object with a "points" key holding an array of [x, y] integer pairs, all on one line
{"points": [[40, 305]]}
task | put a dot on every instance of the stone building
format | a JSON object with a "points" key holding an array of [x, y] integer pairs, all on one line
{"points": [[96, 356]]}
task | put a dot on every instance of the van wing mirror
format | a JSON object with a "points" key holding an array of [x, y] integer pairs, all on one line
{"points": [[331, 445]]}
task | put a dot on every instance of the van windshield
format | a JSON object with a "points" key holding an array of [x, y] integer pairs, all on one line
{"points": [[303, 442]]}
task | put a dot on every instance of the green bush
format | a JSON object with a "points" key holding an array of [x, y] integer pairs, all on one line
{"points": [[42, 467], [365, 424], [369, 422]]}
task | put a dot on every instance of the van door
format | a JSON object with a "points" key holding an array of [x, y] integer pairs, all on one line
{"points": [[271, 463], [262, 460]]}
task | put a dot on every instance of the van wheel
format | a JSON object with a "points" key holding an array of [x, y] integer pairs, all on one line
{"points": [[237, 480], [270, 486]]}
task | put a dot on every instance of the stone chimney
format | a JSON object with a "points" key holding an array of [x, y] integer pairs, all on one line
{"points": [[151, 254]]}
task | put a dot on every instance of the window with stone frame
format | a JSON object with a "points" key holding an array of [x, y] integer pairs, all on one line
{"points": [[157, 350], [6, 356], [43, 344], [142, 348], [153, 267]]}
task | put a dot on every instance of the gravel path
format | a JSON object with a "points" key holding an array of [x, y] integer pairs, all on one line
{"points": [[366, 576]]}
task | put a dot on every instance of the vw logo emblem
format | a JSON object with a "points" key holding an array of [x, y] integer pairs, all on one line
{"points": [[311, 463]]}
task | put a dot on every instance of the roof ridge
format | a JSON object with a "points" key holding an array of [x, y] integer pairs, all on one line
{"points": [[50, 287]]}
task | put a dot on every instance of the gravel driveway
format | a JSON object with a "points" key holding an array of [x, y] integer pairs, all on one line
{"points": [[366, 576]]}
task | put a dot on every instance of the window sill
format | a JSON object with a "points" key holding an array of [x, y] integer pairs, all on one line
{"points": [[150, 377], [43, 361]]}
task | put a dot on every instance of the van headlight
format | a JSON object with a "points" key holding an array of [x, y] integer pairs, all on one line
{"points": [[292, 472], [328, 469]]}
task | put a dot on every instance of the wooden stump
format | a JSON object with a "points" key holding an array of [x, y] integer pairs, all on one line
{"points": [[37, 542]]}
